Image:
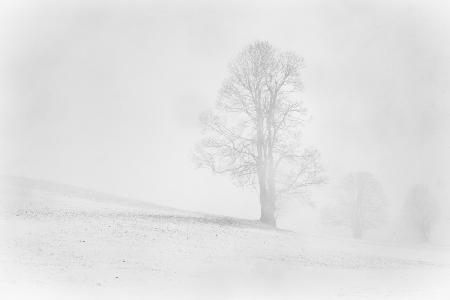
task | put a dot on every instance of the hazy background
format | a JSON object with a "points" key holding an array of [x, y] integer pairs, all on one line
{"points": [[107, 95]]}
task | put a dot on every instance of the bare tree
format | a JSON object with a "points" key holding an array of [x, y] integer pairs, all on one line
{"points": [[421, 210], [253, 132], [360, 204]]}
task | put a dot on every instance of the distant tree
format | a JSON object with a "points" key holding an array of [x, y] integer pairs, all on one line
{"points": [[253, 132], [421, 210], [360, 204]]}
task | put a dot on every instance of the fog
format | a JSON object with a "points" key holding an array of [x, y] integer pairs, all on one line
{"points": [[106, 95], [101, 194]]}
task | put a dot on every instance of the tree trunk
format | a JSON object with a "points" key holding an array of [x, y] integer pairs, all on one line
{"points": [[266, 195], [357, 221], [266, 202], [269, 203], [267, 209], [425, 233]]}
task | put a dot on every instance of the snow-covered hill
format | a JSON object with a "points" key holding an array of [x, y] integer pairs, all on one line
{"points": [[59, 240]]}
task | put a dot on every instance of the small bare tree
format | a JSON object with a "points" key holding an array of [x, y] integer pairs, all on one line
{"points": [[360, 204], [421, 210], [253, 132]]}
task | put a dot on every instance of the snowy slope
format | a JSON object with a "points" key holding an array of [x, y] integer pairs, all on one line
{"points": [[64, 241]]}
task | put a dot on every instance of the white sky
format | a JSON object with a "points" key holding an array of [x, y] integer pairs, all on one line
{"points": [[107, 96]]}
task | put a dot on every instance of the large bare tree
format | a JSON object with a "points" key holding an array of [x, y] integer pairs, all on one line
{"points": [[253, 133]]}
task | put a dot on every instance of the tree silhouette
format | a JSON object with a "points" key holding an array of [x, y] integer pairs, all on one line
{"points": [[253, 132], [360, 204], [421, 210]]}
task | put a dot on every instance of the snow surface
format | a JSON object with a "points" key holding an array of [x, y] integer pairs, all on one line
{"points": [[63, 242]]}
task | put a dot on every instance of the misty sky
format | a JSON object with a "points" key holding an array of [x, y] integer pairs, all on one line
{"points": [[107, 96]]}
